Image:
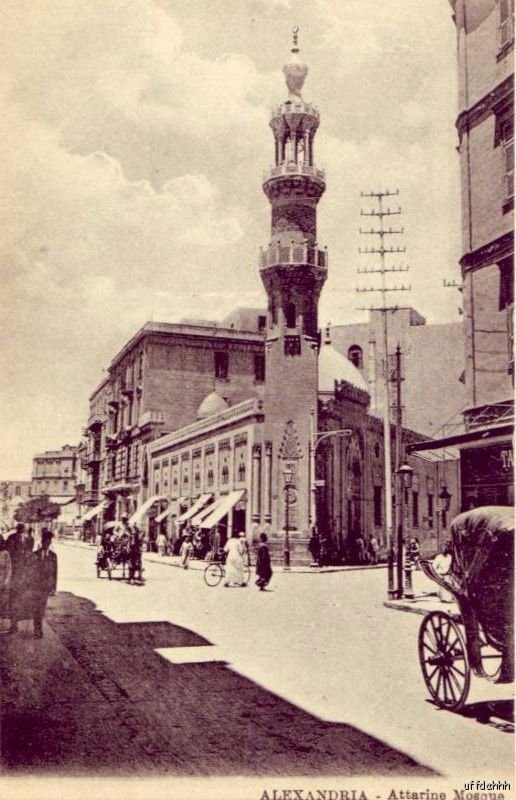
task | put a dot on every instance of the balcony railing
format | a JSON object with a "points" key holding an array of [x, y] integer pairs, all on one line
{"points": [[295, 107], [293, 254], [294, 170]]}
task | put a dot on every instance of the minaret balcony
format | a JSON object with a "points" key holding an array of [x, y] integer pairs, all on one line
{"points": [[295, 254], [293, 169]]}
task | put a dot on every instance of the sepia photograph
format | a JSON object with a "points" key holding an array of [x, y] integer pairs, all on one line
{"points": [[257, 479]]}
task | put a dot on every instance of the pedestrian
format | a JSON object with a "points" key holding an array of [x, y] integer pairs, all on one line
{"points": [[162, 544], [43, 574], [415, 551], [235, 551], [186, 551], [313, 546], [263, 563], [373, 550], [245, 549], [442, 564], [135, 555], [18, 548], [360, 550], [5, 579]]}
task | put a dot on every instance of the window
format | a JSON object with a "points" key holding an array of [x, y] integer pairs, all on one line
{"points": [[377, 501], [210, 477], [290, 315], [221, 365], [17, 491], [355, 356], [508, 159], [259, 368], [506, 23], [262, 322], [241, 472], [65, 486], [430, 511], [197, 480], [225, 474], [415, 509]]}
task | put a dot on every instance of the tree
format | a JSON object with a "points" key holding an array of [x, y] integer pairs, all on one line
{"points": [[37, 509]]}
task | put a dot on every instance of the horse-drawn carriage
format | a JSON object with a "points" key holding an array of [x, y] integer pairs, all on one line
{"points": [[120, 553], [480, 639]]}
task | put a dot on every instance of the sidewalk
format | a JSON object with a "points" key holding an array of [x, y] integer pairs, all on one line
{"points": [[200, 565], [423, 604]]}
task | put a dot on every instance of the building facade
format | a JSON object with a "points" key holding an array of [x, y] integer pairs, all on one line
{"points": [[485, 49], [12, 494]]}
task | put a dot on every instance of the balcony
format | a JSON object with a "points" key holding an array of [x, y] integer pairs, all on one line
{"points": [[295, 254], [111, 439], [95, 421], [90, 498], [151, 418], [292, 169]]}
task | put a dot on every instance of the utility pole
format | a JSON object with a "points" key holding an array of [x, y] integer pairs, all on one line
{"points": [[380, 213], [398, 458]]}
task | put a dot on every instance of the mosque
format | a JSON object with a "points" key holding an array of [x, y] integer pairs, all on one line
{"points": [[256, 423]]}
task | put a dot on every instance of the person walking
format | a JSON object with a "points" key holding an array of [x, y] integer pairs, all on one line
{"points": [[442, 564], [263, 563], [235, 551], [186, 551], [246, 555], [373, 550], [162, 544], [42, 569], [5, 579], [313, 547], [19, 548]]}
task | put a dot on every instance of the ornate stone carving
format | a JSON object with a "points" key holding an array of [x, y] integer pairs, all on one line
{"points": [[290, 445]]}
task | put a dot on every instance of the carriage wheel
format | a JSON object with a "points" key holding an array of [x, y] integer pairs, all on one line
{"points": [[213, 574], [444, 660]]}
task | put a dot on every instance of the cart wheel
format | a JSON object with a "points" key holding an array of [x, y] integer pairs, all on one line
{"points": [[444, 660], [213, 574]]}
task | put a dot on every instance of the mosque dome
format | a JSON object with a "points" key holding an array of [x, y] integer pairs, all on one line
{"points": [[333, 366], [213, 403]]}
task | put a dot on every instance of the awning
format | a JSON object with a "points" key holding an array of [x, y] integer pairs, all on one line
{"points": [[142, 510], [201, 501], [173, 508], [203, 513], [475, 436], [221, 508], [93, 511]]}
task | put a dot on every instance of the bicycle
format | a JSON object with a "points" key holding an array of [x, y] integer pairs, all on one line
{"points": [[215, 572]]}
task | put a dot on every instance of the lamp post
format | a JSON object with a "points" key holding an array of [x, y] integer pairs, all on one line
{"points": [[288, 475], [444, 504], [405, 473]]}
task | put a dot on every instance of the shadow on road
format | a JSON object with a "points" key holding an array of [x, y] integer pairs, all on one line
{"points": [[94, 697]]}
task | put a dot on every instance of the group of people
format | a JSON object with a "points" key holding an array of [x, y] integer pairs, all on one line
{"points": [[27, 577]]}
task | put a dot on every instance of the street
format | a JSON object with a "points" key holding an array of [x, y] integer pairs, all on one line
{"points": [[314, 677]]}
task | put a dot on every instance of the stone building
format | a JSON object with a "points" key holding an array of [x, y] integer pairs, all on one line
{"points": [[433, 365], [485, 48], [54, 473], [12, 494], [219, 425]]}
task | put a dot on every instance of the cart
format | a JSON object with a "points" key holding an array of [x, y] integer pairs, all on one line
{"points": [[480, 637], [113, 557]]}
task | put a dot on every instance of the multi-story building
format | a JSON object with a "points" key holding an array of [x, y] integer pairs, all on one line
{"points": [[485, 46], [433, 365], [53, 473], [12, 494]]}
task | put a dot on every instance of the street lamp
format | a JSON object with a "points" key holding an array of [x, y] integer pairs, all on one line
{"points": [[288, 475], [405, 473], [444, 504]]}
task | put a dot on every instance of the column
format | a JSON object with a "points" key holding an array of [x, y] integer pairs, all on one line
{"points": [[256, 478], [267, 499]]}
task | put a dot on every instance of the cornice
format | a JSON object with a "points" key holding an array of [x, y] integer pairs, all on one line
{"points": [[490, 253], [501, 95]]}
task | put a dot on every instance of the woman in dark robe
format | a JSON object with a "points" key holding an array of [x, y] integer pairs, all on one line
{"points": [[263, 563]]}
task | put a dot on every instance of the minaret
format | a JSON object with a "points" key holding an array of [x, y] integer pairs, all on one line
{"points": [[293, 270]]}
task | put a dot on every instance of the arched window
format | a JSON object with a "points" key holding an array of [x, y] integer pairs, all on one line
{"points": [[290, 315], [355, 356]]}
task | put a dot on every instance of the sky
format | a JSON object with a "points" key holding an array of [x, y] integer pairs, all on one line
{"points": [[134, 139]]}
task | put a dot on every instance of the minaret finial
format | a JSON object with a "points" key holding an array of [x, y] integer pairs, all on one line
{"points": [[295, 70], [295, 35], [327, 338]]}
